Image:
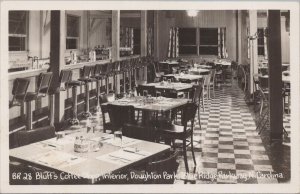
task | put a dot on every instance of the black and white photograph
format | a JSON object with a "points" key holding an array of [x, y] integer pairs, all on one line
{"points": [[161, 96]]}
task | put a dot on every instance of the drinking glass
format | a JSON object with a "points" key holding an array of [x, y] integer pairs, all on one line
{"points": [[145, 93], [118, 138], [60, 135]]}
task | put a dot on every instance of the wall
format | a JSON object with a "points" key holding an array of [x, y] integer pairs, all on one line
{"points": [[205, 19]]}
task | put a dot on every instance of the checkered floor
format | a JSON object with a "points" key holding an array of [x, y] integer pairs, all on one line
{"points": [[228, 148]]}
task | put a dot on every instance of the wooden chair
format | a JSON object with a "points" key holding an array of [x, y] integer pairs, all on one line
{"points": [[212, 80], [197, 93], [170, 132], [104, 98], [263, 87], [86, 78], [146, 90], [119, 115], [19, 91], [206, 88], [35, 135]]}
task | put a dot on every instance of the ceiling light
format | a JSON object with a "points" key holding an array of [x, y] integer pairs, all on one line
{"points": [[192, 13]]}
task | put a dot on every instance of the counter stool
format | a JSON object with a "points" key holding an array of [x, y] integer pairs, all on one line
{"points": [[109, 73], [115, 72], [65, 82], [86, 79], [125, 70], [19, 91], [134, 67], [66, 77], [99, 75], [43, 85]]}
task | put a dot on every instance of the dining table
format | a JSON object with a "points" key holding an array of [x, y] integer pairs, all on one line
{"points": [[203, 66], [183, 76], [104, 157], [199, 71], [170, 86], [284, 78], [167, 65], [222, 62], [152, 104]]}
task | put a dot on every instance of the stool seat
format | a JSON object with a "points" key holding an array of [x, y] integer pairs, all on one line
{"points": [[31, 96], [85, 79], [74, 83], [101, 76]]}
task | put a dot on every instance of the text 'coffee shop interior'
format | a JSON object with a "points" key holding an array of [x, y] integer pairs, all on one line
{"points": [[149, 96]]}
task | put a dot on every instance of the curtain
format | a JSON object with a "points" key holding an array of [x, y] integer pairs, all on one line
{"points": [[265, 44], [222, 50], [127, 37], [173, 50], [150, 41]]}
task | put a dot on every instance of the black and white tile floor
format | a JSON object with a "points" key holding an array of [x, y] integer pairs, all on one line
{"points": [[228, 148]]}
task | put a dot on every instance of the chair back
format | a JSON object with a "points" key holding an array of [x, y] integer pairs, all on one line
{"points": [[119, 115], [263, 82], [97, 69], [207, 79], [197, 92], [20, 87], [104, 98], [19, 90], [150, 90], [255, 81], [104, 68], [188, 114], [167, 165], [65, 77], [35, 135], [87, 71], [187, 81], [213, 75], [172, 78], [44, 82]]}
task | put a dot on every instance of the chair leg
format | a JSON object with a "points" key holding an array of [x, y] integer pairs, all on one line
{"points": [[87, 101], [261, 106], [192, 147], [29, 116], [98, 94], [74, 120], [107, 84], [202, 101], [185, 156], [199, 117]]}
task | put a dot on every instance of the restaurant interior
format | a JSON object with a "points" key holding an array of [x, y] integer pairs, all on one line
{"points": [[149, 96]]}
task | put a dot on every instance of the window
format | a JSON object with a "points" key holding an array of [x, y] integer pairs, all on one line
{"points": [[18, 21], [187, 41], [208, 41], [260, 42], [72, 40]]}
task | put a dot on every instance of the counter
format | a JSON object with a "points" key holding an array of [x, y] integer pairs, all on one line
{"points": [[25, 74], [36, 72]]}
